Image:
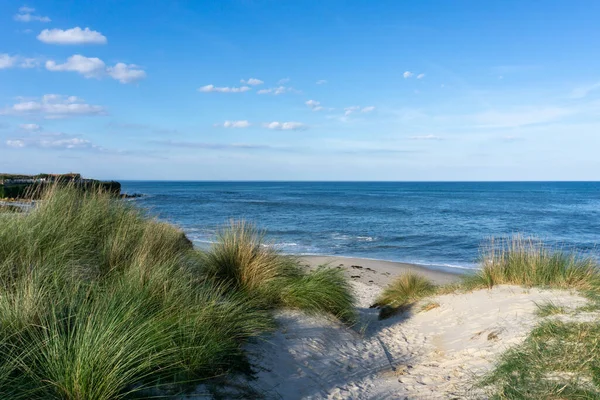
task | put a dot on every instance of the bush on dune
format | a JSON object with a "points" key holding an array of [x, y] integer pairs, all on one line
{"points": [[529, 262], [321, 290], [98, 301], [559, 359], [242, 259], [404, 291]]}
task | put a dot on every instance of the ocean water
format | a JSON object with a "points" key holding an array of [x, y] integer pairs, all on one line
{"points": [[438, 224]]}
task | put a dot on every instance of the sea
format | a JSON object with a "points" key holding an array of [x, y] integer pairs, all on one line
{"points": [[440, 225]]}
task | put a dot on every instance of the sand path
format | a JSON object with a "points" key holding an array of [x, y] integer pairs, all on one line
{"points": [[432, 354]]}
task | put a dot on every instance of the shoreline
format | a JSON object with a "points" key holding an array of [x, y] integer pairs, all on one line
{"points": [[376, 272]]}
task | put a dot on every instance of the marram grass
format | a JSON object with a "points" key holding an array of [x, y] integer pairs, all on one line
{"points": [[529, 262], [559, 359], [99, 301], [405, 289], [241, 259]]}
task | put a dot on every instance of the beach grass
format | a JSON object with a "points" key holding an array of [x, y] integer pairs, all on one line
{"points": [[529, 262], [405, 290], [100, 301], [241, 259], [549, 308], [559, 359]]}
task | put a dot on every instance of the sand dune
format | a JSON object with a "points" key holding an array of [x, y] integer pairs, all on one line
{"points": [[434, 354]]}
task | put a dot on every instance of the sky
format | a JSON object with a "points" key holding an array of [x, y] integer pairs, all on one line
{"points": [[301, 90]]}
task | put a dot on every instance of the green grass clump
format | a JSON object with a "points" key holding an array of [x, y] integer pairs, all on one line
{"points": [[321, 290], [241, 259], [549, 308], [529, 262], [559, 360], [404, 291], [99, 301]]}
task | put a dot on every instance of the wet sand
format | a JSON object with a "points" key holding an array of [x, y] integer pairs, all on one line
{"points": [[376, 272]]}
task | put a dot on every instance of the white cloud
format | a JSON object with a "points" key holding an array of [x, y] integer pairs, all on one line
{"points": [[92, 67], [30, 127], [29, 62], [15, 143], [52, 106], [425, 137], [321, 82], [277, 90], [314, 105], [213, 88], [420, 76], [236, 124], [283, 81], [8, 61], [89, 67], [252, 82], [580, 92], [25, 15], [350, 110], [407, 74], [52, 141], [71, 36], [367, 109], [285, 126], [126, 73], [520, 117]]}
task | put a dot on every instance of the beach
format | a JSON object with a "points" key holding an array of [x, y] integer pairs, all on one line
{"points": [[437, 349], [376, 272]]}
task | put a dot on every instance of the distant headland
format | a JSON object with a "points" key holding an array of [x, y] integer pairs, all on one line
{"points": [[29, 187]]}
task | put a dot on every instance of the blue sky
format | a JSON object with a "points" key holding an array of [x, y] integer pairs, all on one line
{"points": [[301, 90]]}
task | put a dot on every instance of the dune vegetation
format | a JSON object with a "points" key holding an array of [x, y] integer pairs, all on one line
{"points": [[560, 359], [100, 301]]}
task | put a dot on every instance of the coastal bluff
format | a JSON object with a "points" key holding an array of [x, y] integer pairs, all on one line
{"points": [[19, 186]]}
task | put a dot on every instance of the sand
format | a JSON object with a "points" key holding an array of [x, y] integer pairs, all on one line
{"points": [[434, 354], [377, 272]]}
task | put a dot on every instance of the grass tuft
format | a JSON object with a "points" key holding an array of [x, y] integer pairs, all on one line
{"points": [[520, 261], [402, 293], [559, 360], [321, 290], [99, 301], [241, 259], [549, 308]]}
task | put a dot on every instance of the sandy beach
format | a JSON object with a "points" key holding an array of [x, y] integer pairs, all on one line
{"points": [[434, 351], [376, 272]]}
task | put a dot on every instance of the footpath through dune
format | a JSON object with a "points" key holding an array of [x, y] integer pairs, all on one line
{"points": [[434, 352]]}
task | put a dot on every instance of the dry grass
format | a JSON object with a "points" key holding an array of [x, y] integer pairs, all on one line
{"points": [[528, 262], [402, 293], [430, 306]]}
